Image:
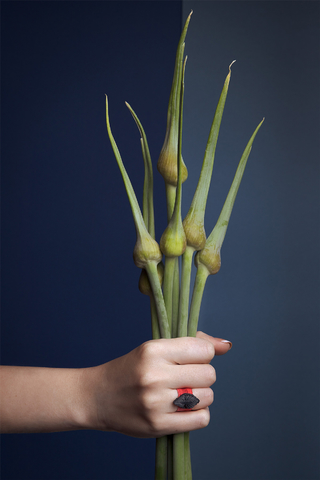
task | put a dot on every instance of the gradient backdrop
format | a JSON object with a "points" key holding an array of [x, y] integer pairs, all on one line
{"points": [[69, 285]]}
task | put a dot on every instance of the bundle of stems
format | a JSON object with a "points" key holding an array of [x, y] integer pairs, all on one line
{"points": [[167, 281]]}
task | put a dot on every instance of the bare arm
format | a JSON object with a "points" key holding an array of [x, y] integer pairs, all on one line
{"points": [[132, 394], [34, 399]]}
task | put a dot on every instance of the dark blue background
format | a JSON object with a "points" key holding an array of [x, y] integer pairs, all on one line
{"points": [[69, 285], [70, 293]]}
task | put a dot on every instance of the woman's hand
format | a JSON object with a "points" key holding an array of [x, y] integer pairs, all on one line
{"points": [[134, 394]]}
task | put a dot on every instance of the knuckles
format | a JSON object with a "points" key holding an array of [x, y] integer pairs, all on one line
{"points": [[209, 374], [204, 348], [154, 426], [203, 343], [208, 396], [149, 402], [149, 351], [209, 351], [204, 418], [152, 417]]}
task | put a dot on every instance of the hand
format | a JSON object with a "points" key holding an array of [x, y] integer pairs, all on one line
{"points": [[134, 394]]}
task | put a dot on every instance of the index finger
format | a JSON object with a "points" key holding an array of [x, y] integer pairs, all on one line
{"points": [[221, 346], [187, 350]]}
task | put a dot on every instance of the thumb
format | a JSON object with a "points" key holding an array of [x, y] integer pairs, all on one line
{"points": [[220, 346]]}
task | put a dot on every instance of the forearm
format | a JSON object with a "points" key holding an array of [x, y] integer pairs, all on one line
{"points": [[36, 399]]}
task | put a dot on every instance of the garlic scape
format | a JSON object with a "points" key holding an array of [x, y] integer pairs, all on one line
{"points": [[208, 260], [168, 159], [194, 221], [167, 162], [173, 244], [148, 209], [173, 240], [148, 217], [146, 253]]}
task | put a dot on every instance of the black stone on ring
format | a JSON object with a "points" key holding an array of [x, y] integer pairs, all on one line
{"points": [[186, 400]]}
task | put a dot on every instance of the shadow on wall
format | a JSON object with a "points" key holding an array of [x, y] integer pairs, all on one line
{"points": [[265, 418]]}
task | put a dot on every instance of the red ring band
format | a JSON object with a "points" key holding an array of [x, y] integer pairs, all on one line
{"points": [[181, 391]]}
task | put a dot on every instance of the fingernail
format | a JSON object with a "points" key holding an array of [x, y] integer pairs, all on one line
{"points": [[227, 341]]}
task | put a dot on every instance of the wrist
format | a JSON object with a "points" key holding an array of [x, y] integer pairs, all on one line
{"points": [[75, 400], [86, 412]]}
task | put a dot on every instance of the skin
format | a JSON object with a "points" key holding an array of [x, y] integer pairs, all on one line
{"points": [[132, 394]]}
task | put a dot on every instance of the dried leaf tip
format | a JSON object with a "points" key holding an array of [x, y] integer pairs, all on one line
{"points": [[233, 61]]}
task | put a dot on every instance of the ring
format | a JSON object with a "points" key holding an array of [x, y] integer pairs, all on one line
{"points": [[186, 400]]}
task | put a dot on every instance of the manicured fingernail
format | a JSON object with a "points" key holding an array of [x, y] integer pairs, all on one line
{"points": [[227, 341]]}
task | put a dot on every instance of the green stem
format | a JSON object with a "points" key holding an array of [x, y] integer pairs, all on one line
{"points": [[184, 293], [168, 286], [187, 456], [199, 284], [171, 198], [152, 271], [154, 319], [170, 457], [161, 459], [175, 299], [178, 456]]}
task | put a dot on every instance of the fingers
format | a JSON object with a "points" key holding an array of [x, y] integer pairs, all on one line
{"points": [[189, 350], [185, 350], [188, 421], [195, 376], [221, 346]]}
